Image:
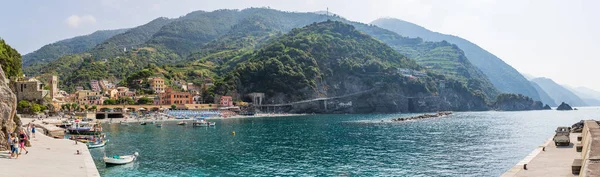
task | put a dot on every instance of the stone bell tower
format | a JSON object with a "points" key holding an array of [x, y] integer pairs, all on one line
{"points": [[53, 83]]}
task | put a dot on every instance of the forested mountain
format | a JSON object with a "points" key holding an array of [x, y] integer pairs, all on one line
{"points": [[333, 59], [10, 60], [70, 46], [558, 92], [502, 75], [210, 43]]}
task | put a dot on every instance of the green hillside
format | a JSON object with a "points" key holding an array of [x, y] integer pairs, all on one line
{"points": [[10, 60], [211, 44], [504, 77]]}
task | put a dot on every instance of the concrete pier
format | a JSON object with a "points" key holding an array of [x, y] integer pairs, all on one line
{"points": [[548, 160], [50, 157]]}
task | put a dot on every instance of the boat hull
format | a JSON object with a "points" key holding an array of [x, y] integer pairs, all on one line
{"points": [[120, 161]]}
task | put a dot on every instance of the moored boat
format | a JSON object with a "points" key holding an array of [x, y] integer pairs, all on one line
{"points": [[182, 123], [143, 123], [120, 160], [92, 145]]}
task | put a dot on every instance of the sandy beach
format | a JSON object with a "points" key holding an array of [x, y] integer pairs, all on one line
{"points": [[49, 157]]}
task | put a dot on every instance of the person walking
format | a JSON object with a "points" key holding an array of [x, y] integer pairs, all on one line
{"points": [[14, 146], [22, 139], [33, 131]]}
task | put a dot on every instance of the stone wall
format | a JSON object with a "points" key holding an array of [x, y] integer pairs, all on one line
{"points": [[590, 153]]}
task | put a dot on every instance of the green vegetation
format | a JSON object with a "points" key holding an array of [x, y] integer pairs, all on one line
{"points": [[256, 50], [504, 77], [173, 106], [26, 107], [145, 101], [110, 102], [10, 60]]}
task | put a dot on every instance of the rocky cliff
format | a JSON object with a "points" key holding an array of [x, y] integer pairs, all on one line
{"points": [[8, 110], [516, 102]]}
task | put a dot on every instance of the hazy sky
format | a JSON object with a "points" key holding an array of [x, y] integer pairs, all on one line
{"points": [[550, 38]]}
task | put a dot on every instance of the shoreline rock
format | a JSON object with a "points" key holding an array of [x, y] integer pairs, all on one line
{"points": [[564, 107], [424, 116]]}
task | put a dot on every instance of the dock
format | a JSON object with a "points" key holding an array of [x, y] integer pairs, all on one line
{"points": [[580, 158], [50, 157]]}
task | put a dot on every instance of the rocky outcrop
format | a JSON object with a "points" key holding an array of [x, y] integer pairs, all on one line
{"points": [[9, 121], [564, 107], [424, 116], [516, 102], [547, 107]]}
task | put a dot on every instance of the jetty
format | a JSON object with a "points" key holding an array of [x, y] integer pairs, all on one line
{"points": [[424, 116], [44, 150], [579, 158]]}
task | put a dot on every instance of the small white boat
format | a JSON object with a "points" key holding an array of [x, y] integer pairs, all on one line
{"points": [[120, 160], [182, 123], [92, 145], [212, 123]]}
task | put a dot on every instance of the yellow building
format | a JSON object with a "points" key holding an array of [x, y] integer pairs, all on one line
{"points": [[157, 84]]}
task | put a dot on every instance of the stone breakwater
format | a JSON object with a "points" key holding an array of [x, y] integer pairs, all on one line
{"points": [[424, 116]]}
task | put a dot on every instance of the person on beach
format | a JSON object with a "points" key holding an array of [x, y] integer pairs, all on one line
{"points": [[22, 139], [14, 147], [33, 131]]}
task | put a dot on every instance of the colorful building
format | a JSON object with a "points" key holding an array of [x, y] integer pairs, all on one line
{"points": [[225, 101], [157, 84], [170, 97], [95, 85]]}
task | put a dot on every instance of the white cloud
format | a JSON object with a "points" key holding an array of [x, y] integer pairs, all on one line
{"points": [[75, 21]]}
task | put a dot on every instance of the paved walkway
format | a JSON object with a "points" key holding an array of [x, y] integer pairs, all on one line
{"points": [[49, 157], [555, 161]]}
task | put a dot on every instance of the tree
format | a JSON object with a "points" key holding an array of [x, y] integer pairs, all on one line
{"points": [[173, 106], [94, 108], [10, 60], [126, 100], [23, 106], [110, 102], [35, 108], [74, 106], [87, 107], [144, 101]]}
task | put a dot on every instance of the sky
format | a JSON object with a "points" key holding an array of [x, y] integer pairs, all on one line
{"points": [[543, 38]]}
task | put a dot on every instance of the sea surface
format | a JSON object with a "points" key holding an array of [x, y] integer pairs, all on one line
{"points": [[463, 144]]}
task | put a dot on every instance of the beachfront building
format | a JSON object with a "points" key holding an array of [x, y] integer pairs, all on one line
{"points": [[225, 101], [157, 84], [31, 90], [95, 85], [170, 97], [89, 97], [124, 91]]}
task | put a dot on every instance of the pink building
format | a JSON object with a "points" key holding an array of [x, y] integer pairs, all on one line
{"points": [[226, 101], [95, 85]]}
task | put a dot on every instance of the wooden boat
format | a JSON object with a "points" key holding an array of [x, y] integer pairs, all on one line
{"points": [[120, 160], [92, 145]]}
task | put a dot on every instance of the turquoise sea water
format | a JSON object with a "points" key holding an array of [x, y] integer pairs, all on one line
{"points": [[463, 144]]}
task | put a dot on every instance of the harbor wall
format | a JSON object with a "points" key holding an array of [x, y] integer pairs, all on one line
{"points": [[590, 154]]}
